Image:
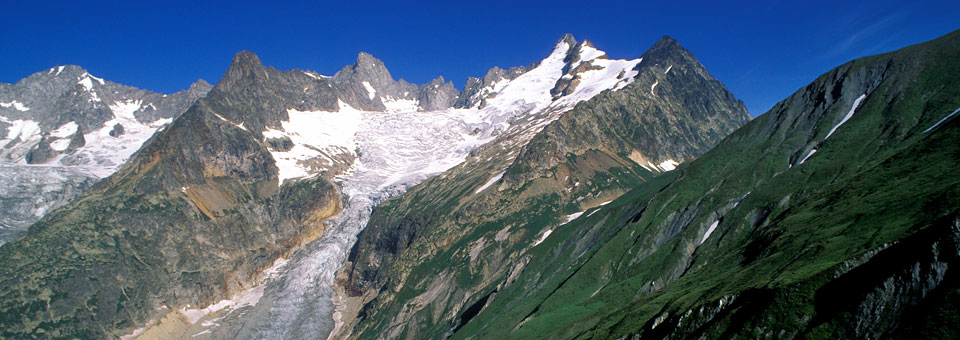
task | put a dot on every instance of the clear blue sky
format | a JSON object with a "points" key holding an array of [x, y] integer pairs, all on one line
{"points": [[762, 50]]}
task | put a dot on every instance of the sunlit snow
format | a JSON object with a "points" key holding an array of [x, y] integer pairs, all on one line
{"points": [[669, 164], [16, 105], [853, 109], [492, 180], [812, 151], [942, 120], [710, 231], [371, 92]]}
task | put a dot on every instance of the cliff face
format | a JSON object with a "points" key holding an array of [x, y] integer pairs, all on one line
{"points": [[834, 215], [192, 219], [443, 249]]}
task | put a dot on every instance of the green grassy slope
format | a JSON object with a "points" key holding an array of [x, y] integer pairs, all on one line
{"points": [[851, 243]]}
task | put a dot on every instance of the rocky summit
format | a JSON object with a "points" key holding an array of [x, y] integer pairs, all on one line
{"points": [[579, 196]]}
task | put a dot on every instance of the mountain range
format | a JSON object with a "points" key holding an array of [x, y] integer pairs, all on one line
{"points": [[576, 197]]}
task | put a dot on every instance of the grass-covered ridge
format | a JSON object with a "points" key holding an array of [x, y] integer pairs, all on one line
{"points": [[845, 245]]}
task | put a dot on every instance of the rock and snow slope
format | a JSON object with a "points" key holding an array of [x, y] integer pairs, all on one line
{"points": [[63, 129], [387, 151]]}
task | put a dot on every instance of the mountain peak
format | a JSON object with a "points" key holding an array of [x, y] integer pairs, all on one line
{"points": [[366, 68], [666, 43], [365, 58], [567, 38], [667, 50], [246, 57], [200, 82], [245, 65]]}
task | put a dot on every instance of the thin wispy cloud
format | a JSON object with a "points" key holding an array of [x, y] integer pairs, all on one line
{"points": [[863, 35]]}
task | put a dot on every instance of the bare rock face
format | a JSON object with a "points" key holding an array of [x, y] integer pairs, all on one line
{"points": [[117, 130]]}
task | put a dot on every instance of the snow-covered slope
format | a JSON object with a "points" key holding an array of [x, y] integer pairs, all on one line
{"points": [[386, 152], [322, 139]]}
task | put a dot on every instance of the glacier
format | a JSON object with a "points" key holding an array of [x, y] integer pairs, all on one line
{"points": [[392, 151]]}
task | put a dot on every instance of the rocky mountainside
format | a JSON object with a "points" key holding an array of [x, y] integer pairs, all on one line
{"points": [[195, 235], [63, 129], [428, 258], [833, 215], [196, 215], [66, 116]]}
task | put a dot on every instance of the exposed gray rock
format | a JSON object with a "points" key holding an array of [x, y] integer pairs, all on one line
{"points": [[437, 95], [117, 130], [475, 90]]}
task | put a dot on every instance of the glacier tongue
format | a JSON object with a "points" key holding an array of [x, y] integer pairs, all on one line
{"points": [[397, 149]]}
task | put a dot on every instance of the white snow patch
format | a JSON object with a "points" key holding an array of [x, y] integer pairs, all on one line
{"points": [[589, 53], [598, 208], [87, 83], [490, 182], [942, 120], [99, 80], [16, 105], [543, 237], [231, 122], [59, 69], [710, 231], [655, 83], [24, 129], [313, 132], [669, 164], [853, 109], [668, 69], [812, 151], [573, 216], [568, 219], [371, 92], [60, 144], [64, 131], [315, 76], [205, 331], [125, 109]]}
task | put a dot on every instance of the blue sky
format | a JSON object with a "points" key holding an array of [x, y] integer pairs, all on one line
{"points": [[762, 50]]}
